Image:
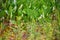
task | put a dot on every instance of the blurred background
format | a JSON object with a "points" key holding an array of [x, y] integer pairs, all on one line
{"points": [[29, 19]]}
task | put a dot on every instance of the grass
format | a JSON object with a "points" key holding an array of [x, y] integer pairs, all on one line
{"points": [[29, 20]]}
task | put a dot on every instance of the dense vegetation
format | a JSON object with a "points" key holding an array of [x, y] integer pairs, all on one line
{"points": [[29, 19]]}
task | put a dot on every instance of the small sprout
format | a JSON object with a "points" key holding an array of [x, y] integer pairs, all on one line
{"points": [[41, 16], [6, 11], [14, 1], [21, 6], [30, 5]]}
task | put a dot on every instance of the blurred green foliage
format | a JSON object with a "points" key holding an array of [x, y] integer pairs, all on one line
{"points": [[30, 16]]}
